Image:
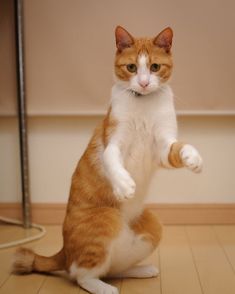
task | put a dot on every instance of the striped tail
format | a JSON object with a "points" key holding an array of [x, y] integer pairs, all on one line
{"points": [[26, 261]]}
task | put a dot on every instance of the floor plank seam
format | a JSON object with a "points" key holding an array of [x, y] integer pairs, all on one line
{"points": [[121, 281], [193, 257], [160, 270], [40, 287], [4, 282], [222, 247]]}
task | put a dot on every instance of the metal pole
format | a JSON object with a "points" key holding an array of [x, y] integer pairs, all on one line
{"points": [[22, 114]]}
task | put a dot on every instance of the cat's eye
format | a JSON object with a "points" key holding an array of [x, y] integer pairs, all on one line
{"points": [[131, 67], [155, 67]]}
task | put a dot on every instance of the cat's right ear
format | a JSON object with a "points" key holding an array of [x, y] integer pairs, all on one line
{"points": [[164, 39], [123, 38]]}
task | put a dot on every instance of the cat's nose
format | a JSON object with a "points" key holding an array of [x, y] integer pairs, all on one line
{"points": [[143, 80], [144, 83]]}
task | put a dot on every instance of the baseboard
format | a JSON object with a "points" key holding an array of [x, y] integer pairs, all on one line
{"points": [[195, 214], [42, 213], [53, 213]]}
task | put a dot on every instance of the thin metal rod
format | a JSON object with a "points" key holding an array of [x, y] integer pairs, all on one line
{"points": [[22, 118]]}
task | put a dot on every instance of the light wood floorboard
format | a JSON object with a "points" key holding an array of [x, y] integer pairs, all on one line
{"points": [[12, 233], [52, 284], [226, 238], [178, 271], [191, 259], [215, 271]]}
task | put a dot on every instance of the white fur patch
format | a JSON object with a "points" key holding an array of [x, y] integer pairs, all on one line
{"points": [[143, 72], [191, 158], [97, 286], [147, 127], [127, 250], [141, 271], [142, 60]]}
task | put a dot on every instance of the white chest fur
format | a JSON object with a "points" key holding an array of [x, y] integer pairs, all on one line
{"points": [[140, 119], [142, 122]]}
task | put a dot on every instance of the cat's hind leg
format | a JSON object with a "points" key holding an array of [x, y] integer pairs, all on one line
{"points": [[88, 238], [89, 268], [88, 279], [139, 272], [136, 242], [97, 286]]}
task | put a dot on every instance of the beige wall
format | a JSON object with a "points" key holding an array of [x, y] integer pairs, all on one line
{"points": [[69, 48], [56, 143], [69, 41]]}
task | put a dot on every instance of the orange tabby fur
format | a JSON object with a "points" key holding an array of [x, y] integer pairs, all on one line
{"points": [[174, 154], [91, 202], [94, 218]]}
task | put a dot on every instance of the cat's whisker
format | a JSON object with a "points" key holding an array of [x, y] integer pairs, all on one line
{"points": [[127, 90], [177, 98]]}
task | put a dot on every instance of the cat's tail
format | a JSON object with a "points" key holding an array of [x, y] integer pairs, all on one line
{"points": [[26, 261]]}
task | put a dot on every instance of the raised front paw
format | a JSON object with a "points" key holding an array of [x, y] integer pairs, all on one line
{"points": [[191, 158], [123, 186]]}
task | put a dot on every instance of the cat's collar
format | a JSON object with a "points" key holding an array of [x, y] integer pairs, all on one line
{"points": [[136, 94]]}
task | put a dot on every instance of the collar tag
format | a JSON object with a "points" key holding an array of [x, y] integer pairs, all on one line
{"points": [[137, 94]]}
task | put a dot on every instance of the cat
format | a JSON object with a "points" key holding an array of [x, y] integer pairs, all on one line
{"points": [[107, 230]]}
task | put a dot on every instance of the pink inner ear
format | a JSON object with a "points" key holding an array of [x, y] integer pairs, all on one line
{"points": [[123, 38], [164, 39]]}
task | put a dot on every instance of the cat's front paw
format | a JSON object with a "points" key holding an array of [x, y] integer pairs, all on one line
{"points": [[191, 158], [123, 186]]}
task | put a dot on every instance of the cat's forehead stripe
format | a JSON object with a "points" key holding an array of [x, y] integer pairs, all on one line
{"points": [[143, 60]]}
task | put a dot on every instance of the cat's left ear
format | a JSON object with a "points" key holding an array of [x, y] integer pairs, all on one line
{"points": [[164, 39], [123, 38]]}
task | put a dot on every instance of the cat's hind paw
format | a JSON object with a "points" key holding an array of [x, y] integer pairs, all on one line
{"points": [[140, 272], [191, 158], [97, 286]]}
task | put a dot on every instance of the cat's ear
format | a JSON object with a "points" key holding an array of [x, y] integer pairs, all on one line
{"points": [[164, 39], [123, 38]]}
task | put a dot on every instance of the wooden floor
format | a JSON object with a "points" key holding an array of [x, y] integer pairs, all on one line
{"points": [[192, 260]]}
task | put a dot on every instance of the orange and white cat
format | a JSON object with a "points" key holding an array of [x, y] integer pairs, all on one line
{"points": [[107, 231]]}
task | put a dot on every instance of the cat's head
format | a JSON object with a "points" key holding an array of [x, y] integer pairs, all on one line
{"points": [[143, 64]]}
